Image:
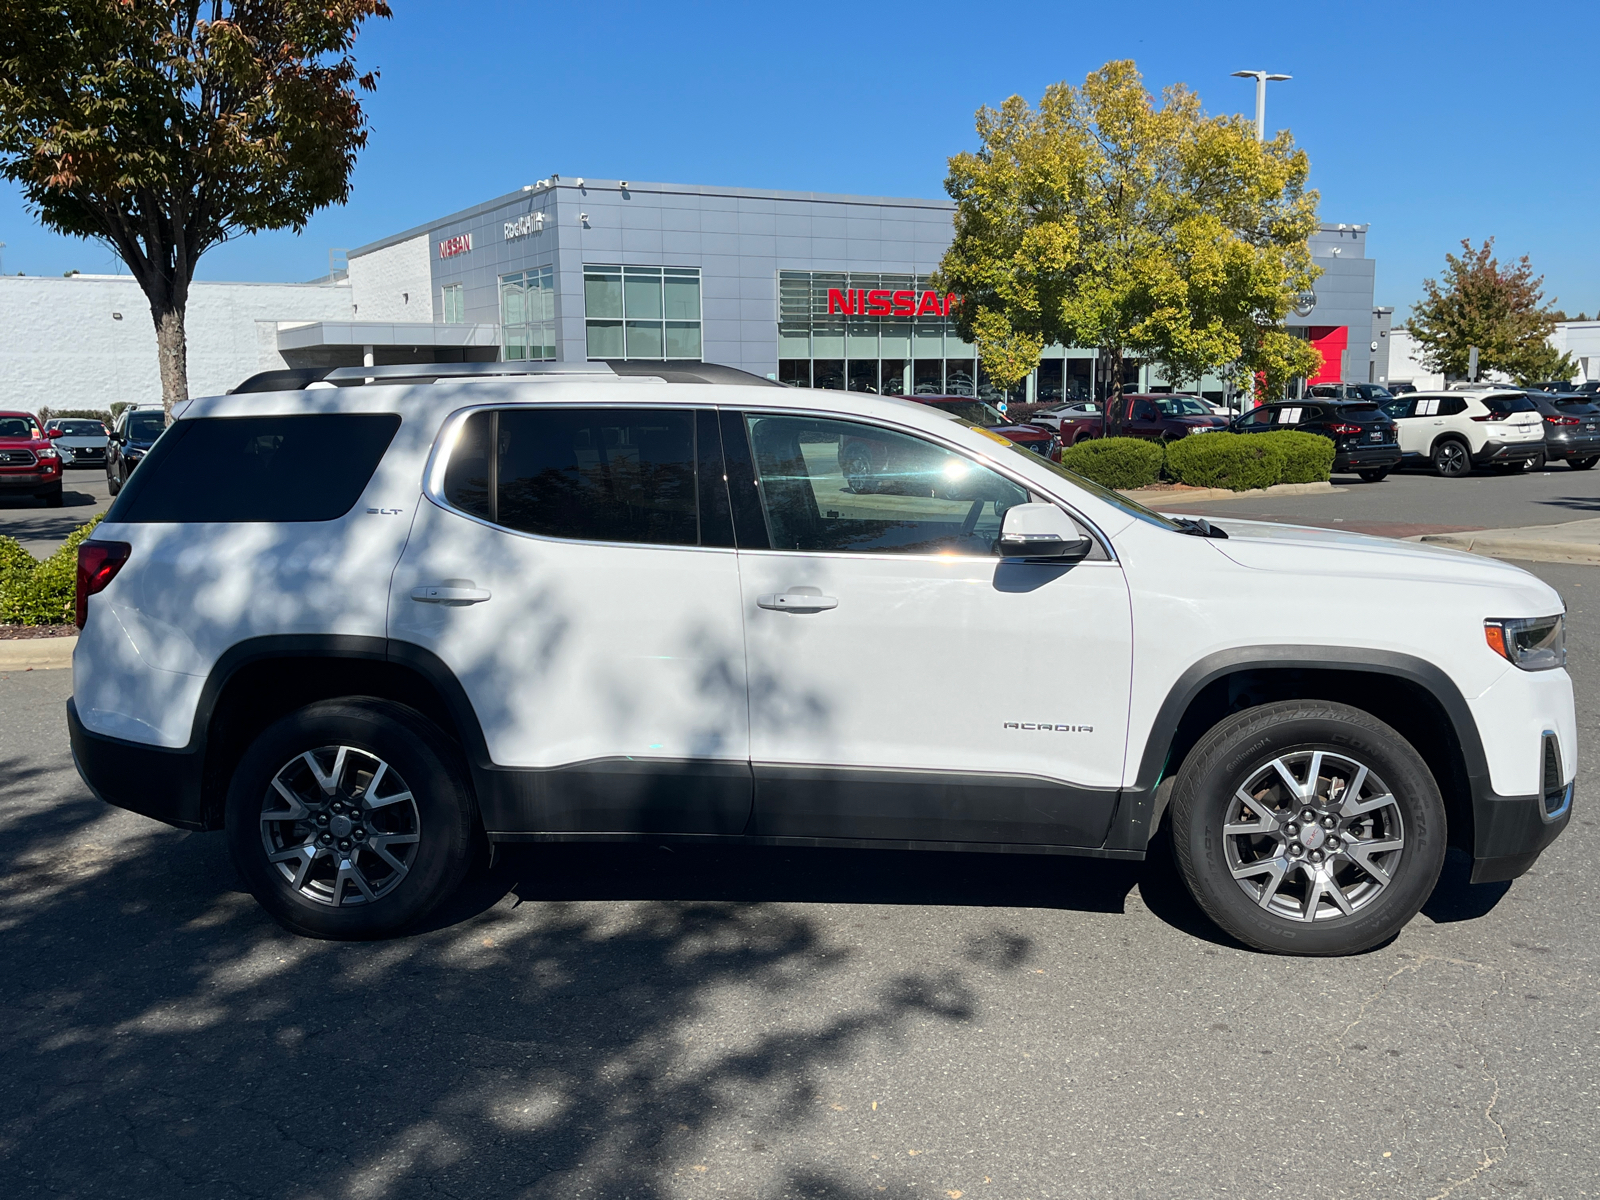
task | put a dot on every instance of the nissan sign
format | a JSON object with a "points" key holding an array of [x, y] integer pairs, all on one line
{"points": [[459, 244], [856, 302]]}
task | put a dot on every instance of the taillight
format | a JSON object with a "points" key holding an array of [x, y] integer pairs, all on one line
{"points": [[1494, 416], [98, 564], [1345, 428], [1562, 421]]}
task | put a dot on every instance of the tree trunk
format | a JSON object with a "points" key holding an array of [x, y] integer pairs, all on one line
{"points": [[1114, 414], [172, 350]]}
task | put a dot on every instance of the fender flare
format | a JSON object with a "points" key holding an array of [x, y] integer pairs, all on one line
{"points": [[1133, 824]]}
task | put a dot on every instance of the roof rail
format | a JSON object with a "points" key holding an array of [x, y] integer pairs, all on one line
{"points": [[299, 378]]}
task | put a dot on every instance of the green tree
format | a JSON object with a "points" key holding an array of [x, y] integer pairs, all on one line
{"points": [[1108, 219], [163, 127], [1498, 309]]}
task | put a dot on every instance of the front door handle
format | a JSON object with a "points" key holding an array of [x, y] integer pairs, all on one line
{"points": [[455, 593], [797, 600]]}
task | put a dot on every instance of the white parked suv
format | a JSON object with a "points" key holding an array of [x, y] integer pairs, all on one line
{"points": [[366, 627], [1458, 430]]}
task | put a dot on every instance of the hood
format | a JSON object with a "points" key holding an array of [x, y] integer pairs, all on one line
{"points": [[1028, 432], [1197, 420], [1303, 550]]}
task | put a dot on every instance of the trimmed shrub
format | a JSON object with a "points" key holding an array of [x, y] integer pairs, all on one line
{"points": [[1307, 457], [1119, 462], [1238, 461], [40, 593]]}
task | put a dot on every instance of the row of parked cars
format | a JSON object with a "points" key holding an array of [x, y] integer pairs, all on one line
{"points": [[1374, 431], [33, 458]]}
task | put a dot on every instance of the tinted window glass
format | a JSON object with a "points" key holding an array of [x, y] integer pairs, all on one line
{"points": [[610, 475], [836, 485], [1399, 408], [1451, 407], [1258, 418], [1509, 404], [146, 425], [299, 468], [1574, 405]]}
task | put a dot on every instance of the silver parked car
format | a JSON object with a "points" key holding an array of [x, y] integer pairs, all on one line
{"points": [[85, 438]]}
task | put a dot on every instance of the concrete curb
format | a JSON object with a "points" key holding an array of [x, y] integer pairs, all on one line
{"points": [[1161, 498], [36, 654], [1522, 549]]}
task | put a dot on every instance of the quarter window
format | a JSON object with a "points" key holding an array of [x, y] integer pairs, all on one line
{"points": [[452, 304], [648, 313], [648, 475], [839, 486]]}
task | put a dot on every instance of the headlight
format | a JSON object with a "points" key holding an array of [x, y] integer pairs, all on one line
{"points": [[1532, 643], [47, 454]]}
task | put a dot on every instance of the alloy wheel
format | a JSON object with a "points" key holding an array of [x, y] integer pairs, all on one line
{"points": [[1451, 459], [340, 826], [1313, 835]]}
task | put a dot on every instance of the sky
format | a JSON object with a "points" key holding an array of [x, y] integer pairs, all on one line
{"points": [[1430, 122]]}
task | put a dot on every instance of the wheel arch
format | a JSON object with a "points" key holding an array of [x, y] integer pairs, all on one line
{"points": [[263, 679], [1416, 698], [1450, 435]]}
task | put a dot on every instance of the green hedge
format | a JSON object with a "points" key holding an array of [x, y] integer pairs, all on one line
{"points": [[40, 593], [1308, 457], [1238, 461], [1119, 462]]}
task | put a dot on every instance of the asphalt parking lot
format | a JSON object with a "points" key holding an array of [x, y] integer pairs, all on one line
{"points": [[636, 1022], [40, 530]]}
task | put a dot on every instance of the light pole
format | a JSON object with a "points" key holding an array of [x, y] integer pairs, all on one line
{"points": [[1261, 78]]}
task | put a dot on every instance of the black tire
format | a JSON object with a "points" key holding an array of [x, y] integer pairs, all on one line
{"points": [[52, 498], [1582, 464], [1539, 461], [1375, 476], [1451, 459], [1241, 749], [113, 481], [429, 770]]}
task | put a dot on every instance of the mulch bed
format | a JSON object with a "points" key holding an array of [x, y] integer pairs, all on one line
{"points": [[12, 633]]}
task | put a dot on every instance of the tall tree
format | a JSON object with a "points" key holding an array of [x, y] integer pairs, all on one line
{"points": [[1108, 219], [163, 127], [1498, 309]]}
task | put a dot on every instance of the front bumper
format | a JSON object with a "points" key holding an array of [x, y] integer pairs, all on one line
{"points": [[1510, 832], [149, 780], [1367, 458], [28, 481]]}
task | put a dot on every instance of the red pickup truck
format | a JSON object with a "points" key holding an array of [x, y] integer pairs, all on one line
{"points": [[1159, 417]]}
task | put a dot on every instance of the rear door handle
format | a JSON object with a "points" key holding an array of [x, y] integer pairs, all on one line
{"points": [[454, 595], [797, 600]]}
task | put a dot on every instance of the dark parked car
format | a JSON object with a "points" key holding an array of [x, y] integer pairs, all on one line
{"points": [[1374, 392], [28, 462], [132, 435], [980, 412], [1364, 437], [1401, 389], [1158, 417], [1571, 429]]}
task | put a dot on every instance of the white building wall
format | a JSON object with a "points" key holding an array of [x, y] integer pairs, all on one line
{"points": [[394, 283], [1581, 339], [62, 345], [1406, 367]]}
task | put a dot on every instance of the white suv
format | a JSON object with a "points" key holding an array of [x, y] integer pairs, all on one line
{"points": [[1458, 430], [365, 627]]}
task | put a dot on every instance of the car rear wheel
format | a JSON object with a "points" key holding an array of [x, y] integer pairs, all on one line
{"points": [[1374, 476], [1450, 459], [351, 818], [1308, 827], [1582, 464]]}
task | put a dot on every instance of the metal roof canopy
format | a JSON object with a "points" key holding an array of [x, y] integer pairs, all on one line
{"points": [[669, 372]]}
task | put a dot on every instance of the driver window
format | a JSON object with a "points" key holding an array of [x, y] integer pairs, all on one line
{"points": [[839, 486]]}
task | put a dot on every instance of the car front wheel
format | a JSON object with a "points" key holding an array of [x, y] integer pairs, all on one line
{"points": [[1308, 827], [113, 481], [1374, 476], [351, 818]]}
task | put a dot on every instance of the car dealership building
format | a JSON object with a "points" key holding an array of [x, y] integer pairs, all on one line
{"points": [[811, 289]]}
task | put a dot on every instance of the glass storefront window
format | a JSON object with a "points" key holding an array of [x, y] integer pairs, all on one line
{"points": [[929, 377], [960, 377], [452, 305], [828, 373], [795, 372], [864, 375], [892, 376], [527, 314], [642, 312]]}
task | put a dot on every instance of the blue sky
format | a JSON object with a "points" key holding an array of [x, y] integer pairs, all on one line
{"points": [[1431, 122]]}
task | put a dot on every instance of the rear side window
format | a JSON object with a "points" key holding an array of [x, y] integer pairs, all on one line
{"points": [[648, 475], [1501, 405], [310, 467]]}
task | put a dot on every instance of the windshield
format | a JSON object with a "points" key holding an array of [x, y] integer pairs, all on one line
{"points": [[146, 424], [1573, 404], [17, 427], [1181, 406], [80, 428], [977, 412]]}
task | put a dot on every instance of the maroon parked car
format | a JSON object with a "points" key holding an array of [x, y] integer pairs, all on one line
{"points": [[29, 461], [980, 412], [1159, 417]]}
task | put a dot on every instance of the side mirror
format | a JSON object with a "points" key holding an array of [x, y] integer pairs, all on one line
{"points": [[1042, 531]]}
